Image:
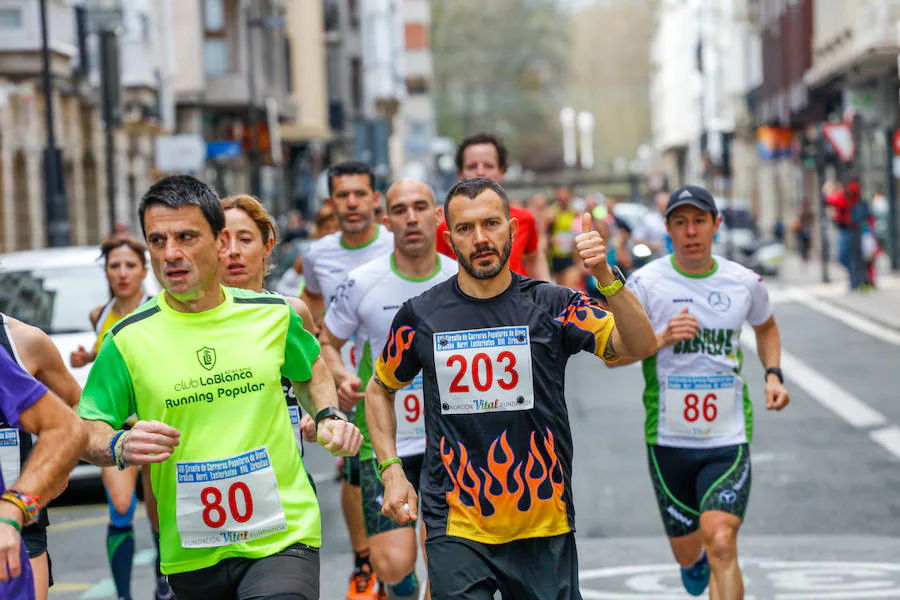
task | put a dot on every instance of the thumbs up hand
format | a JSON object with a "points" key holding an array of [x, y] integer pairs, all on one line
{"points": [[591, 249]]}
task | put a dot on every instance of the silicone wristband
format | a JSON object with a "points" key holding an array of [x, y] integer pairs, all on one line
{"points": [[112, 446], [12, 523], [28, 504], [391, 461]]}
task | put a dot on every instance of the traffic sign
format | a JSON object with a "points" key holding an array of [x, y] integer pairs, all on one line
{"points": [[840, 136], [897, 142]]}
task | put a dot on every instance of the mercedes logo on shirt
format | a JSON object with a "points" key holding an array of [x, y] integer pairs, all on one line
{"points": [[719, 301]]}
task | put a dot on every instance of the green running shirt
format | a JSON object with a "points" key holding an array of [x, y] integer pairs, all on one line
{"points": [[235, 486]]}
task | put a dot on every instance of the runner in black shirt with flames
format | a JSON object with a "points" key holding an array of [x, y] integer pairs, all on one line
{"points": [[493, 346]]}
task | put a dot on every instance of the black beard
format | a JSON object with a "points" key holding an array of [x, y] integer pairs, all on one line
{"points": [[489, 272]]}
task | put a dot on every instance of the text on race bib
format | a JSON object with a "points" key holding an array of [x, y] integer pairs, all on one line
{"points": [[294, 412], [227, 501], [700, 406], [409, 410], [484, 370], [9, 456]]}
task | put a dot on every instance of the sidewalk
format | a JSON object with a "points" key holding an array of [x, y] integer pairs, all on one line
{"points": [[881, 305]]}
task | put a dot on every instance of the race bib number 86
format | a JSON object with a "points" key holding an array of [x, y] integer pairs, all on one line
{"points": [[228, 501], [484, 370], [700, 406]]}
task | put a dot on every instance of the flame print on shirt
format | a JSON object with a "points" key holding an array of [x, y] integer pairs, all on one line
{"points": [[587, 315], [511, 499], [398, 343]]}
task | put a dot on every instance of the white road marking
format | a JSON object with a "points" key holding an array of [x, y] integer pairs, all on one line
{"points": [[844, 404], [858, 323], [781, 580], [888, 438]]}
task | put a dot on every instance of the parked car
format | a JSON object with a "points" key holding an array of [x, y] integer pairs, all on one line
{"points": [[55, 289], [740, 240]]}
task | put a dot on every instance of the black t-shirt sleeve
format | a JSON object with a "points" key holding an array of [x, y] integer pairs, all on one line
{"points": [[586, 325], [398, 363]]}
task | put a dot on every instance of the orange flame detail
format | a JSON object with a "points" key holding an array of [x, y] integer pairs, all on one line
{"points": [[587, 315], [529, 501], [399, 341]]}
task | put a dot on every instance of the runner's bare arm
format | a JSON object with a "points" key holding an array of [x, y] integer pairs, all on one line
{"points": [[309, 324], [147, 442], [331, 352], [61, 438], [43, 360], [349, 386], [381, 419], [316, 304], [97, 452], [768, 344], [633, 335], [319, 392], [401, 503]]}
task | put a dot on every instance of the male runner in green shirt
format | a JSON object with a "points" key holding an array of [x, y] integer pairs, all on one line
{"points": [[201, 366]]}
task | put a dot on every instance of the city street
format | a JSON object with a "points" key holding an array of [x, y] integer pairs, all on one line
{"points": [[824, 516]]}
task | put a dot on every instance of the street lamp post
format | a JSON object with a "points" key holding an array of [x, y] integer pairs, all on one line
{"points": [[253, 152], [252, 121], [54, 194]]}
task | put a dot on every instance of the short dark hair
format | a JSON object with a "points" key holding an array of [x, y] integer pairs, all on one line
{"points": [[177, 191], [349, 167], [482, 137], [471, 189]]}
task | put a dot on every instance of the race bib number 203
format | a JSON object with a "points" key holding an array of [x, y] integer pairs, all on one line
{"points": [[484, 370]]}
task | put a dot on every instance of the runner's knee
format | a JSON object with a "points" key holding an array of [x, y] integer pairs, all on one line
{"points": [[390, 567], [721, 544], [121, 509]]}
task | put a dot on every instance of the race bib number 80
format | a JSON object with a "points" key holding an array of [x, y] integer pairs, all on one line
{"points": [[227, 501], [484, 370]]}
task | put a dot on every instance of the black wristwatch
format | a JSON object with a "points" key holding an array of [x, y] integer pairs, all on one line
{"points": [[775, 371], [330, 413]]}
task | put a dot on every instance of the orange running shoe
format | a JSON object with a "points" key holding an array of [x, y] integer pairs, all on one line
{"points": [[362, 585]]}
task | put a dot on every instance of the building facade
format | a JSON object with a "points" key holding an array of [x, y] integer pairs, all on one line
{"points": [[141, 35], [704, 62]]}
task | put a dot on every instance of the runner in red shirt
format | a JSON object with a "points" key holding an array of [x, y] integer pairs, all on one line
{"points": [[484, 155]]}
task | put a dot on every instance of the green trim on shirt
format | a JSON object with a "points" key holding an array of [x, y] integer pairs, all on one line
{"points": [[695, 275], [363, 245], [432, 275]]}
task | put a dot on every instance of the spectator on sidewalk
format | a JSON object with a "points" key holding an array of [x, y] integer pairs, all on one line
{"points": [[842, 201], [802, 227]]}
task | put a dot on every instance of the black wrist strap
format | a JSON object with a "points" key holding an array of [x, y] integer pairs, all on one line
{"points": [[775, 371]]}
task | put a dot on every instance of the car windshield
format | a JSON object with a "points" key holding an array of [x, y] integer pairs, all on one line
{"points": [[57, 300]]}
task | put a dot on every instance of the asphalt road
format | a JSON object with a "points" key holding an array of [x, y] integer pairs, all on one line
{"points": [[824, 515]]}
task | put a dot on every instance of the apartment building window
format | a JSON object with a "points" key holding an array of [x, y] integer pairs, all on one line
{"points": [[288, 66], [416, 86], [216, 53], [353, 9], [10, 18], [356, 84], [332, 16]]}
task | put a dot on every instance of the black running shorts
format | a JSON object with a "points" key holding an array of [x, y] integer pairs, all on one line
{"points": [[530, 569], [692, 481], [292, 574]]}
